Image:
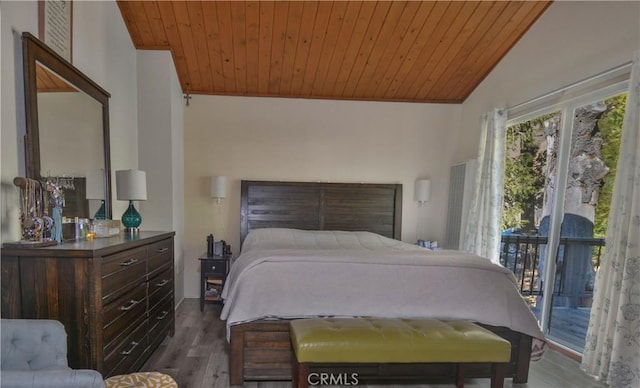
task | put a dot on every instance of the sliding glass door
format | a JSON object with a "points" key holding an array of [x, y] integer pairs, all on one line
{"points": [[558, 179]]}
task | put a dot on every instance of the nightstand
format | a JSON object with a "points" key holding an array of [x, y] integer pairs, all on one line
{"points": [[213, 274]]}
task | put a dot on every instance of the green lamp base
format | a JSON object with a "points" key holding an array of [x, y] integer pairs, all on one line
{"points": [[131, 219]]}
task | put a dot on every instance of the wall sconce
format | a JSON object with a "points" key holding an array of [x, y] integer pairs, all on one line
{"points": [[95, 190], [218, 187], [131, 186], [422, 191]]}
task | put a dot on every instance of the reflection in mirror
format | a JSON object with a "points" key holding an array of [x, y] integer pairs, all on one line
{"points": [[67, 119], [70, 125]]}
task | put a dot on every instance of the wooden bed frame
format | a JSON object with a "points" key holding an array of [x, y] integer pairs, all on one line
{"points": [[261, 350]]}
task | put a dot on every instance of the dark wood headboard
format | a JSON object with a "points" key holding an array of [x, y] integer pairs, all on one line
{"points": [[321, 206]]}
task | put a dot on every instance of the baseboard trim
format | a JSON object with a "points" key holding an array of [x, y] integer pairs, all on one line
{"points": [[565, 351]]}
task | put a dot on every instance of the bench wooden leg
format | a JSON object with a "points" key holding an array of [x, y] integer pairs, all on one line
{"points": [[295, 371], [303, 375], [459, 375], [498, 372], [299, 374]]}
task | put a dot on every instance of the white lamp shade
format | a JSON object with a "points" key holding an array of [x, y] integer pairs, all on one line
{"points": [[95, 184], [422, 190], [131, 185], [218, 187]]}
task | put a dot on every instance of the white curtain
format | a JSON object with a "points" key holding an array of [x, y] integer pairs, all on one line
{"points": [[482, 235], [612, 350]]}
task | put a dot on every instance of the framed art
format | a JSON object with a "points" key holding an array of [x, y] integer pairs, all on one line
{"points": [[55, 25]]}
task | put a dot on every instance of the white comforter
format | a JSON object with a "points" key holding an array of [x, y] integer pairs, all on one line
{"points": [[288, 273]]}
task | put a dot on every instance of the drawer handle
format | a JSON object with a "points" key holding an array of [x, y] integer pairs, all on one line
{"points": [[130, 306], [128, 262], [213, 267], [162, 283], [134, 344], [160, 250], [164, 314]]}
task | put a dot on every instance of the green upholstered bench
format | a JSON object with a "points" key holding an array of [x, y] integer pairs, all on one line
{"points": [[389, 340]]}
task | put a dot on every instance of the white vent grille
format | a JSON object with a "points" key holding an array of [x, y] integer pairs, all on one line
{"points": [[461, 180]]}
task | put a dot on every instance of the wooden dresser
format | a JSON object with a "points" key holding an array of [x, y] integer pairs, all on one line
{"points": [[115, 296]]}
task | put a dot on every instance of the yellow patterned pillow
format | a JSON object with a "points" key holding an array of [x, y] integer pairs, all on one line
{"points": [[141, 380]]}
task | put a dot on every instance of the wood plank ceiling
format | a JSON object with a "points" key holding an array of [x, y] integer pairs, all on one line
{"points": [[419, 51]]}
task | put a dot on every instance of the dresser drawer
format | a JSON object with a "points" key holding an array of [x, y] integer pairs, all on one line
{"points": [[160, 286], [160, 320], [122, 271], [162, 313], [119, 316], [123, 357], [214, 267], [159, 256]]}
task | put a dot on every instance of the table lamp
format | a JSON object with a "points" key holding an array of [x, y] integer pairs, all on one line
{"points": [[131, 186]]}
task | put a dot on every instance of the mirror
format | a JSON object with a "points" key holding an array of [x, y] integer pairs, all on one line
{"points": [[67, 122]]}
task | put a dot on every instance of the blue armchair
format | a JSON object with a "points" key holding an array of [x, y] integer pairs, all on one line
{"points": [[34, 354]]}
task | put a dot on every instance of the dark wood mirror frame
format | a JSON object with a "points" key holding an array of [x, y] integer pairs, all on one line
{"points": [[33, 52]]}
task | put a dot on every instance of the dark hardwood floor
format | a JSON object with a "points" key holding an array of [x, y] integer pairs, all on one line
{"points": [[197, 357]]}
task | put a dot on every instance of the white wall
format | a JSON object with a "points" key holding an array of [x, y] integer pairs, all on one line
{"points": [[102, 49], [15, 18], [310, 140], [161, 151], [177, 170], [572, 40]]}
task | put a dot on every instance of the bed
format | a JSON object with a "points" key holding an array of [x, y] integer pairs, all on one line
{"points": [[333, 249]]}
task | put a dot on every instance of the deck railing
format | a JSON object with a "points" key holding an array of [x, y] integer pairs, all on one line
{"points": [[577, 259]]}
